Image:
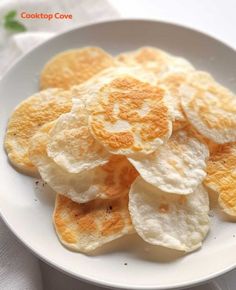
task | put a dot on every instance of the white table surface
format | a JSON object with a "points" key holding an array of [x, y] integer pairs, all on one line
{"points": [[217, 18]]}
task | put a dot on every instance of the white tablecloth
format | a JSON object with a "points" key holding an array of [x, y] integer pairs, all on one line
{"points": [[19, 269]]}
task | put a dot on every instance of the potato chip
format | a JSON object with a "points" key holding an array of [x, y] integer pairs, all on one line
{"points": [[209, 107], [71, 144], [129, 116], [212, 146], [27, 118], [202, 79], [221, 176], [179, 64], [110, 180], [154, 60], [85, 227], [173, 81], [74, 67], [169, 220], [177, 167]]}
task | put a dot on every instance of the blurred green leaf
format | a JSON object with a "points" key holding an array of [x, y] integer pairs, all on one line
{"points": [[11, 23], [10, 15], [15, 26]]}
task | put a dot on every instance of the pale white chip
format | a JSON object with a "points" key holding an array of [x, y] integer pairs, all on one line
{"points": [[71, 144], [209, 107], [179, 64], [169, 220], [110, 180], [178, 167]]}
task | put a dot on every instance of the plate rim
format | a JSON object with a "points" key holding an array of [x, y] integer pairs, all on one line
{"points": [[123, 19], [86, 278]]}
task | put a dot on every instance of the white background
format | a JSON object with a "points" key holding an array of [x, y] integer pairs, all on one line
{"points": [[216, 17]]}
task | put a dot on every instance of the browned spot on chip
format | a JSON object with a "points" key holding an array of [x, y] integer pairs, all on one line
{"points": [[164, 208], [119, 175], [114, 141], [112, 226], [182, 200]]}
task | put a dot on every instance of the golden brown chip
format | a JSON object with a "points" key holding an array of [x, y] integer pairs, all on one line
{"points": [[209, 107], [73, 67], [149, 57], [221, 176], [130, 117], [85, 227], [27, 118]]}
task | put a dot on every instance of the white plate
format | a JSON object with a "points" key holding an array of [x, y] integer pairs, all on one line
{"points": [[28, 212]]}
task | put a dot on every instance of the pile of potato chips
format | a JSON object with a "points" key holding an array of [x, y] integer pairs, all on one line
{"points": [[128, 143]]}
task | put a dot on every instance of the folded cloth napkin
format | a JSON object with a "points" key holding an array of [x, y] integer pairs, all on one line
{"points": [[18, 45], [19, 269]]}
